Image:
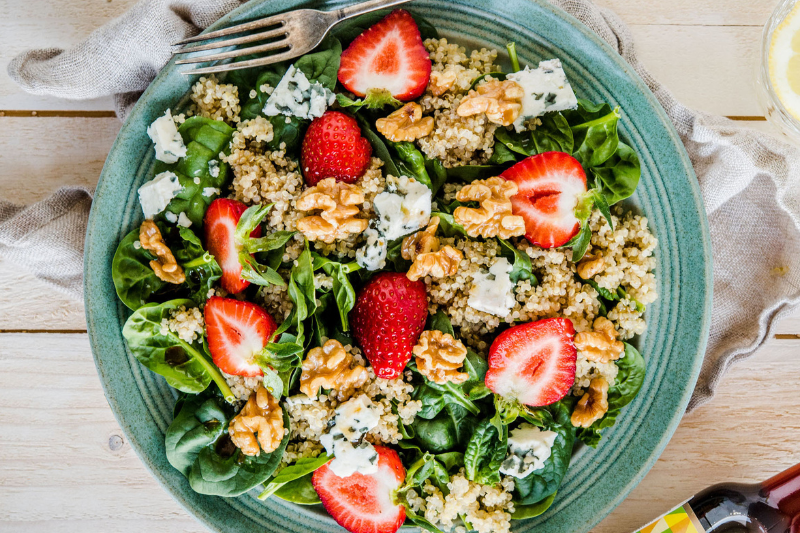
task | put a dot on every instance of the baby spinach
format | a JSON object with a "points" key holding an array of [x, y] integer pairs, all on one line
{"points": [[379, 148], [343, 291], [293, 472], [322, 66], [134, 280], [520, 143], [448, 225], [541, 483], [300, 491], [428, 467], [594, 130], [553, 134], [449, 429], [198, 445], [522, 269], [533, 510], [499, 76], [410, 162], [200, 267], [485, 453], [185, 366], [618, 176], [205, 139]]}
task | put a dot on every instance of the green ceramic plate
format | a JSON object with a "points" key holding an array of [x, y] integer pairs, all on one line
{"points": [[674, 344]]}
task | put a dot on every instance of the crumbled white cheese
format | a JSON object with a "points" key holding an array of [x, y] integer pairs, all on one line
{"points": [[296, 96], [528, 449], [171, 217], [137, 245], [168, 142], [208, 192], [493, 292], [546, 89], [404, 206], [354, 418], [213, 168], [183, 220], [156, 194]]}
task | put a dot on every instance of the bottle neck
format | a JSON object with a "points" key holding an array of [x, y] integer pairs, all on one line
{"points": [[783, 491]]}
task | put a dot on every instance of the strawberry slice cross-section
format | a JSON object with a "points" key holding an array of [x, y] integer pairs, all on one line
{"points": [[363, 503], [219, 226], [533, 363], [388, 55], [237, 331], [550, 186]]}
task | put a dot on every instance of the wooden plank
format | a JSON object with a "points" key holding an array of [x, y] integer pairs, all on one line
{"points": [[693, 12], [60, 444]]}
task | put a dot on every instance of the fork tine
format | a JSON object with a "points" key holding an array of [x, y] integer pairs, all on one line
{"points": [[276, 45], [268, 60], [230, 42], [247, 26]]}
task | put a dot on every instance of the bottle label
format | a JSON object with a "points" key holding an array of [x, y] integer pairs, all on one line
{"points": [[680, 520]]}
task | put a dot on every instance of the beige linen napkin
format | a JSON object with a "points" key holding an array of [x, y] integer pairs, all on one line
{"points": [[749, 180]]}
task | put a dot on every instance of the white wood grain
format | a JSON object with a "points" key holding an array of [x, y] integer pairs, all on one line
{"points": [[693, 12]]}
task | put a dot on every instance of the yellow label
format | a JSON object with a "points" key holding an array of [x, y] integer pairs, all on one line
{"points": [[681, 520]]}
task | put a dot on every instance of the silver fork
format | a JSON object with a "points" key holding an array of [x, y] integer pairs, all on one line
{"points": [[291, 35]]}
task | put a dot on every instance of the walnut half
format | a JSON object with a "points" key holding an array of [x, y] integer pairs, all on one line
{"points": [[338, 203], [500, 100], [165, 266], [405, 124], [494, 217], [439, 356], [600, 345], [428, 260], [590, 266], [331, 367], [259, 425], [592, 405]]}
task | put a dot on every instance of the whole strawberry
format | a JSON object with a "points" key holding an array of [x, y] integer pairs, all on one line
{"points": [[334, 148], [387, 320]]}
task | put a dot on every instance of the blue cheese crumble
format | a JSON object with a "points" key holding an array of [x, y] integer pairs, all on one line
{"points": [[213, 168], [296, 96], [404, 207], [166, 138], [546, 89], [493, 292], [183, 220], [528, 449], [156, 194], [345, 440]]}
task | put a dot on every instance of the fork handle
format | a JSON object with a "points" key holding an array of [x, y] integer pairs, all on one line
{"points": [[366, 7]]}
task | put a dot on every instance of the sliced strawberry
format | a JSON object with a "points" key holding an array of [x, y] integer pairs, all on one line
{"points": [[363, 503], [388, 55], [219, 224], [549, 187], [533, 363], [388, 318], [236, 332]]}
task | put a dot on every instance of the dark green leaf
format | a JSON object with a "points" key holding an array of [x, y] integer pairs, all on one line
{"points": [[533, 510], [595, 140], [541, 483], [448, 226], [499, 76], [302, 467], [522, 269], [619, 176], [300, 491], [378, 146], [485, 453], [553, 134], [322, 66], [134, 280]]}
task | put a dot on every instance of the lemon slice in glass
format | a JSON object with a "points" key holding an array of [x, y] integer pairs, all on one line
{"points": [[784, 62]]}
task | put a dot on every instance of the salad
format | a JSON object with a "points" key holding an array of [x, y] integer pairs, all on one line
{"points": [[389, 277]]}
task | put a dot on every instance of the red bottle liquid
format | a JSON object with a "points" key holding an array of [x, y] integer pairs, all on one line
{"points": [[769, 507]]}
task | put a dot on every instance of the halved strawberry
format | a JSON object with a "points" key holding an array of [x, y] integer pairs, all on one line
{"points": [[388, 55], [363, 503], [219, 224], [549, 187], [236, 332], [533, 363]]}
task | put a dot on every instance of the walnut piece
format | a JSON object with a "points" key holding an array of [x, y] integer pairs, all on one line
{"points": [[600, 345], [592, 405], [338, 202], [441, 82], [493, 218], [331, 367], [500, 100], [435, 264], [405, 124], [259, 425], [439, 356], [590, 266], [165, 266], [421, 242]]}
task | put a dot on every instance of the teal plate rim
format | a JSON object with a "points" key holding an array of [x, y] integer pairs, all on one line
{"points": [[669, 195]]}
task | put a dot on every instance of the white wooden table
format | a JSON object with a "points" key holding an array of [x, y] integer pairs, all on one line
{"points": [[65, 465]]}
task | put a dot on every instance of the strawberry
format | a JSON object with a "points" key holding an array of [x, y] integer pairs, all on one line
{"points": [[549, 188], [236, 332], [219, 224], [388, 55], [334, 148], [387, 320], [363, 503], [533, 363]]}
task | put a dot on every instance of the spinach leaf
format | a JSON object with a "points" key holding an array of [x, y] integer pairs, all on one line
{"points": [[449, 429], [475, 365], [522, 268], [619, 176], [322, 66], [200, 267], [134, 280], [534, 509], [450, 393], [378, 146], [185, 366], [302, 467], [501, 154], [448, 225], [485, 453], [521, 143], [343, 291], [499, 76], [289, 132], [553, 134], [541, 483], [198, 445], [205, 139], [300, 491], [440, 322], [410, 162], [437, 174], [594, 130], [470, 173]]}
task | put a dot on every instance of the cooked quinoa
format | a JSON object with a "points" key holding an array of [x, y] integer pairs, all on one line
{"points": [[218, 101], [188, 324]]}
